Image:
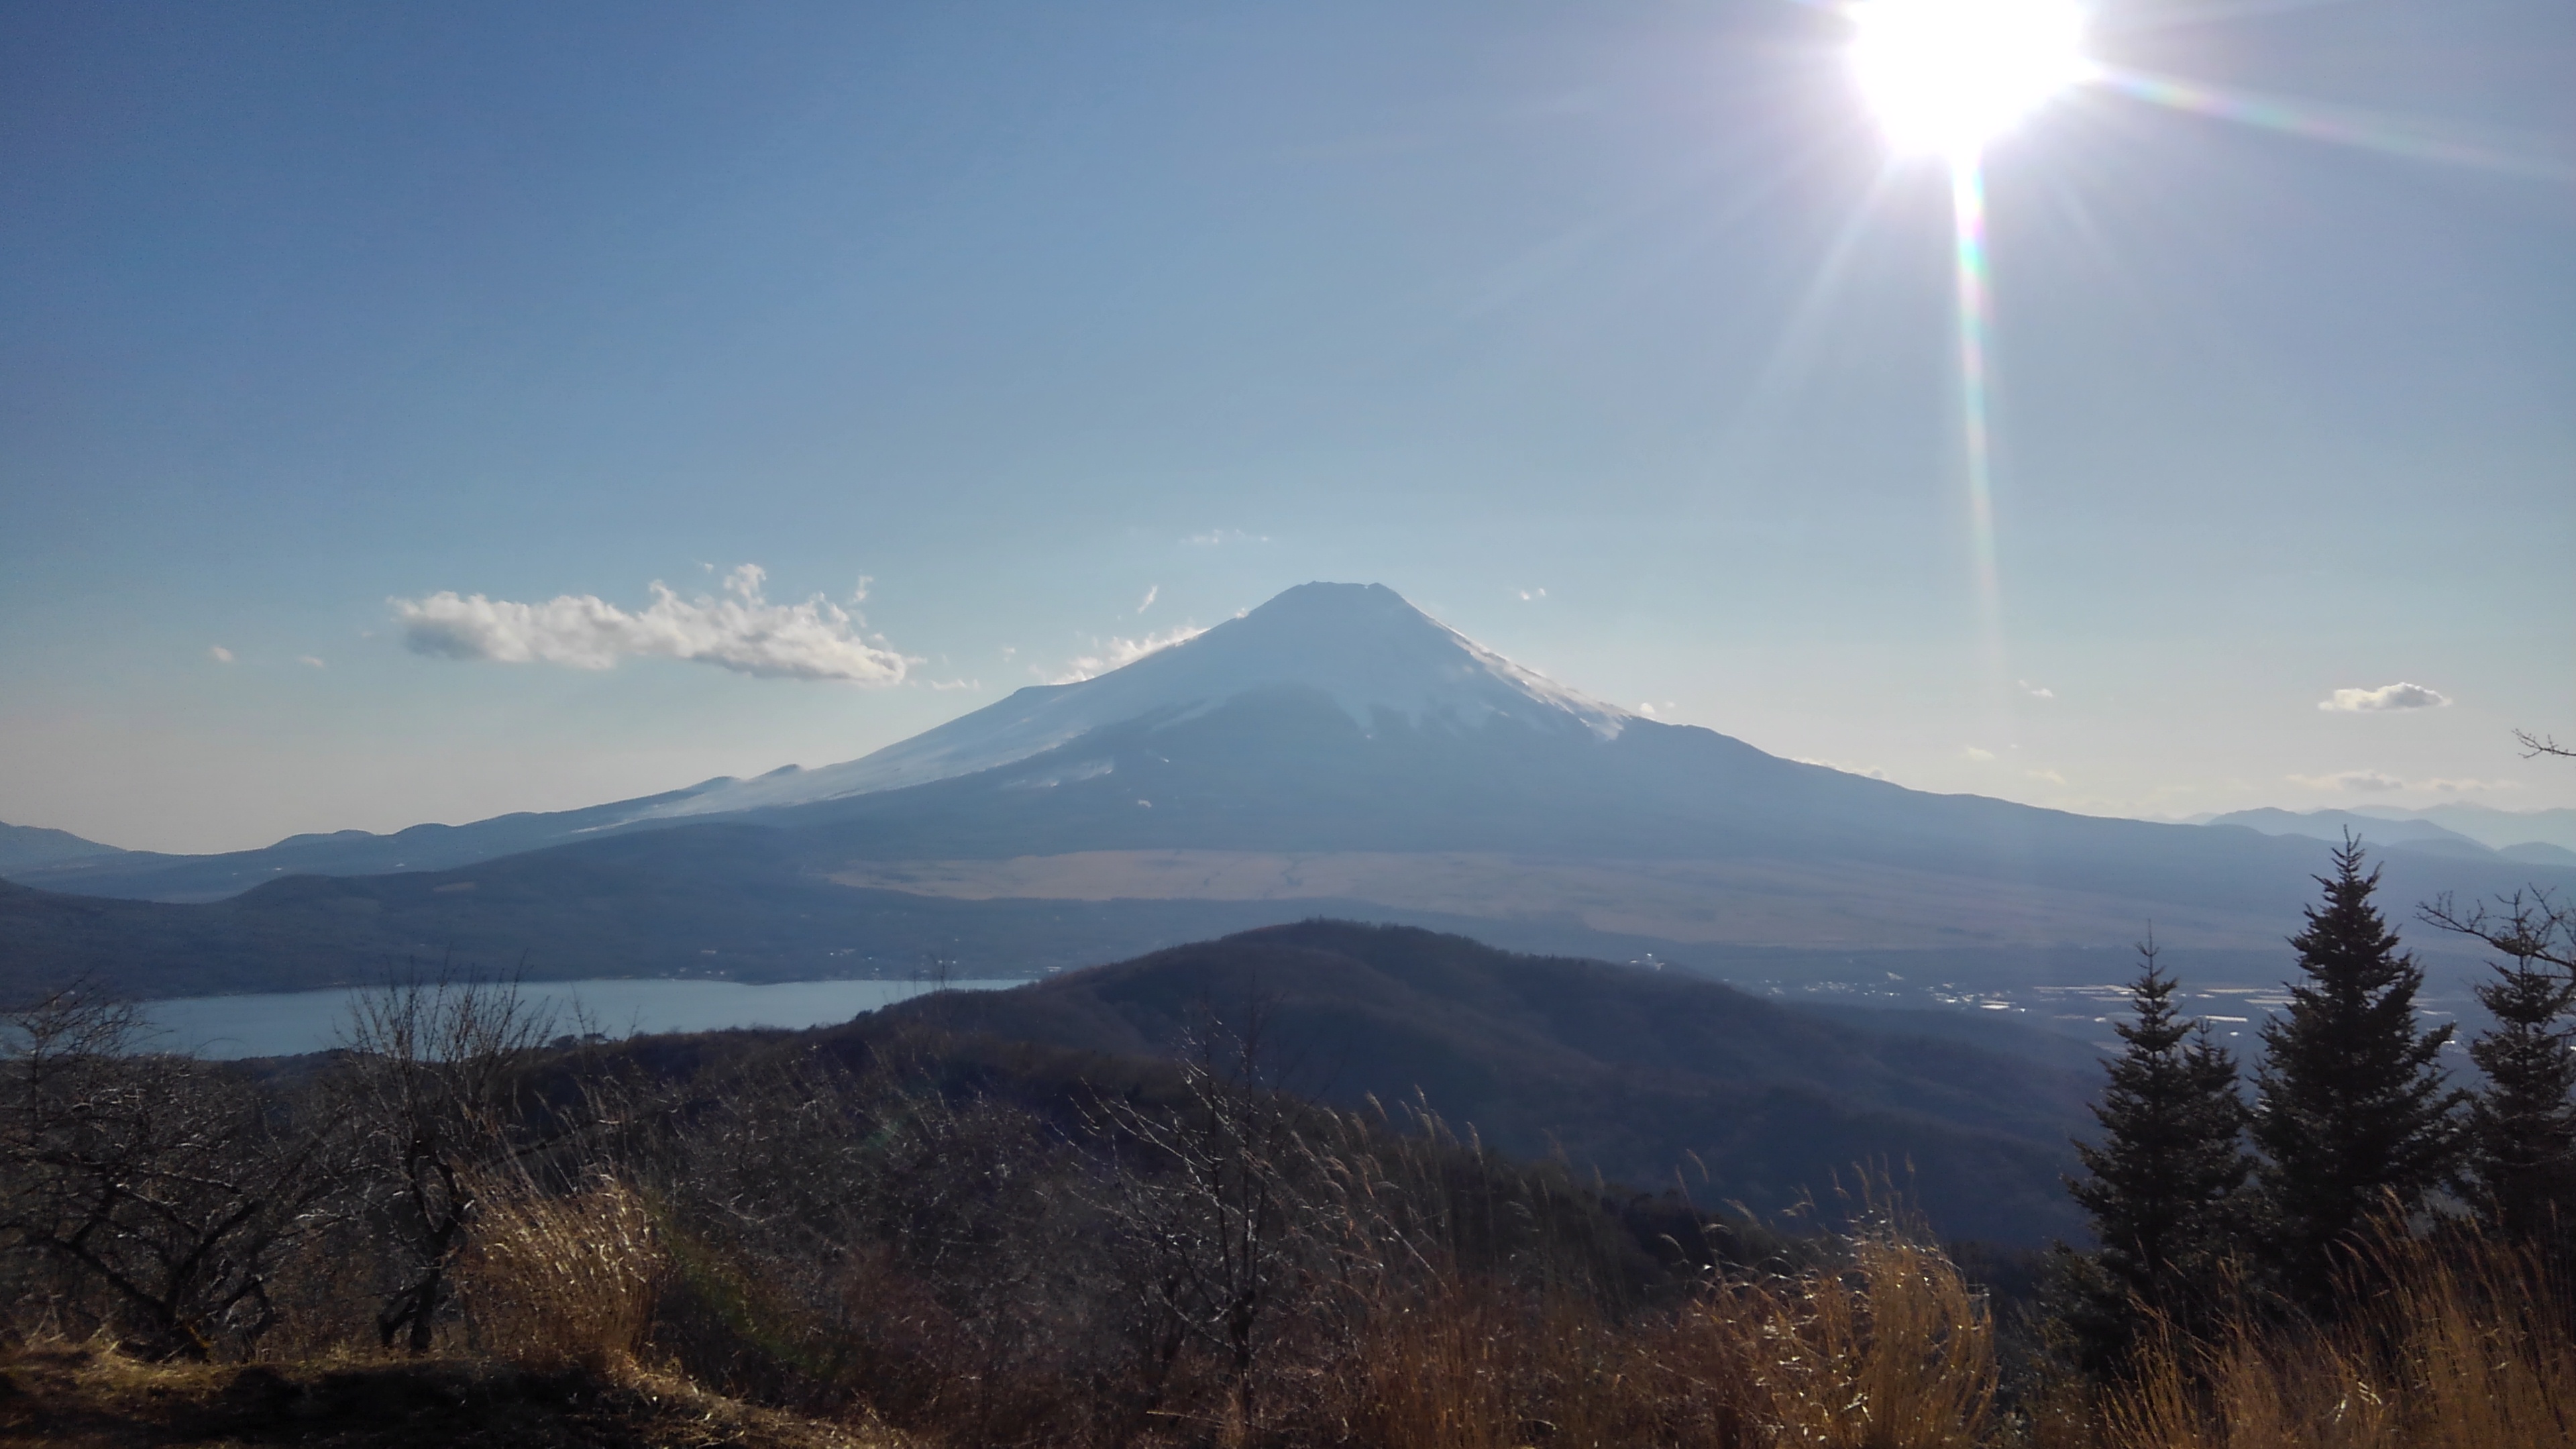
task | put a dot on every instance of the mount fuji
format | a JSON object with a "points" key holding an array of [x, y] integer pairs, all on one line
{"points": [[1379, 659], [1334, 751]]}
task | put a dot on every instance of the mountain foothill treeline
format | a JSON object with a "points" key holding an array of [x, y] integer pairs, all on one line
{"points": [[2359, 1138]]}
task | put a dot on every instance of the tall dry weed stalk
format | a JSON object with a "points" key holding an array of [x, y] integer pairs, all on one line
{"points": [[1893, 1350], [1890, 1349], [2463, 1346], [563, 1278]]}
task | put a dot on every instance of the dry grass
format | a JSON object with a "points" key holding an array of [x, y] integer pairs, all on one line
{"points": [[2458, 1346], [563, 1279], [1890, 1350], [1895, 1351], [2463, 1346]]}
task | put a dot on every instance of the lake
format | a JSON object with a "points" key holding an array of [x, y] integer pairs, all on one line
{"points": [[285, 1023]]}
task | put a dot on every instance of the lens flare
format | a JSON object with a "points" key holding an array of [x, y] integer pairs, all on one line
{"points": [[1948, 76]]}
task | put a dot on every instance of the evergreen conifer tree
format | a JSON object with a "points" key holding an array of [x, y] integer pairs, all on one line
{"points": [[2352, 1113], [2521, 1168], [2165, 1185], [2521, 1152]]}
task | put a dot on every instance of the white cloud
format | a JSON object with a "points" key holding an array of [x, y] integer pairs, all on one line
{"points": [[219, 654], [1117, 653], [2034, 691], [1151, 591], [2369, 781], [1866, 771], [1215, 536], [1652, 710], [2400, 695], [945, 684], [2377, 782], [2046, 776], [309, 662], [740, 631], [1532, 595], [1978, 755]]}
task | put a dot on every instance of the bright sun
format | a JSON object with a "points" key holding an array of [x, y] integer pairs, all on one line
{"points": [[1948, 76]]}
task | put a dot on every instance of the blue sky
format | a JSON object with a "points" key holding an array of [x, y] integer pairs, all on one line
{"points": [[1023, 312]]}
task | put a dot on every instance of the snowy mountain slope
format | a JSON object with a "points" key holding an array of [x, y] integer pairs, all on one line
{"points": [[1362, 644]]}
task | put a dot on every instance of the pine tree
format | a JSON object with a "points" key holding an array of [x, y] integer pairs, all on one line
{"points": [[2165, 1185], [2352, 1113], [2521, 1158], [2521, 1168]]}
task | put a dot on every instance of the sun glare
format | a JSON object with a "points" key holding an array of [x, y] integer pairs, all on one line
{"points": [[1948, 76]]}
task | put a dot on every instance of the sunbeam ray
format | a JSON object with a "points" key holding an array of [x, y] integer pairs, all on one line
{"points": [[1976, 315], [2335, 126], [1793, 352]]}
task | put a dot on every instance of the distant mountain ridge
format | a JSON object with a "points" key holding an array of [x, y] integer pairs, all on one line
{"points": [[1333, 750], [1374, 656], [32, 847], [1619, 1068], [152, 876], [2500, 833]]}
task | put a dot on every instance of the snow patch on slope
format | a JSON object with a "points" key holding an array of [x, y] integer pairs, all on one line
{"points": [[1373, 653]]}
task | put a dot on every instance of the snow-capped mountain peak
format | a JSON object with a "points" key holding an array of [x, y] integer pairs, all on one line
{"points": [[1376, 655]]}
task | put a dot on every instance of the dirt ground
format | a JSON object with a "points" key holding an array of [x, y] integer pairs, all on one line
{"points": [[82, 1398]]}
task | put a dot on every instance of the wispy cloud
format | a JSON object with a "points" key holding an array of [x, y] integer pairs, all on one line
{"points": [[1118, 653], [2034, 691], [2049, 777], [219, 654], [2376, 782], [1152, 592], [945, 684], [1531, 596], [1216, 536], [309, 662], [2365, 781], [2400, 695], [1978, 755], [739, 630], [1866, 771]]}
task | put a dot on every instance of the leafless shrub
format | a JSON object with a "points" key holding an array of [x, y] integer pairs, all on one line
{"points": [[429, 1084], [169, 1186]]}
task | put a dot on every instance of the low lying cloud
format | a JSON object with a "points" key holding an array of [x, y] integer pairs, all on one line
{"points": [[2366, 781], [2376, 782], [739, 630], [2400, 695], [1117, 653], [1871, 772]]}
